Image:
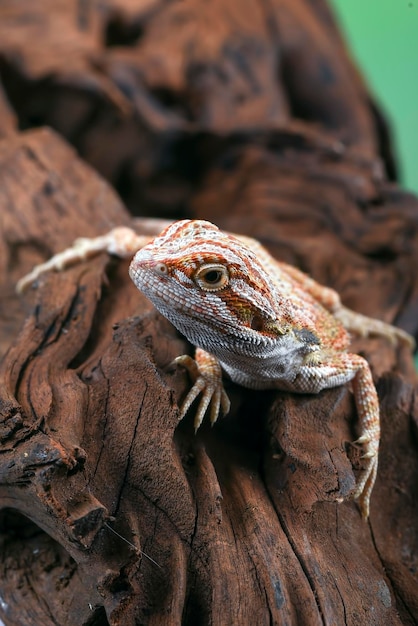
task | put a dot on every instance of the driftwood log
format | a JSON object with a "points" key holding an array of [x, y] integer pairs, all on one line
{"points": [[249, 114]]}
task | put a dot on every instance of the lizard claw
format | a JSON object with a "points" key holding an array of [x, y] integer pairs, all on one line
{"points": [[362, 440], [368, 455], [206, 375]]}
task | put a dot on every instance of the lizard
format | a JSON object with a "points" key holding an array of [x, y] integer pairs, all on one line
{"points": [[265, 323]]}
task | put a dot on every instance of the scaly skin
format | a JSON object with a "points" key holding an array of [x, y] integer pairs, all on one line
{"points": [[265, 323]]}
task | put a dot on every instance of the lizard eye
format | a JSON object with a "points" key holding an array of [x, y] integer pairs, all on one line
{"points": [[161, 268], [212, 277]]}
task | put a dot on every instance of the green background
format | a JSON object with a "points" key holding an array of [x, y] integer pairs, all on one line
{"points": [[383, 37]]}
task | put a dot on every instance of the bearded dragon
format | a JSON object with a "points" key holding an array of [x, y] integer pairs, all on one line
{"points": [[264, 323]]}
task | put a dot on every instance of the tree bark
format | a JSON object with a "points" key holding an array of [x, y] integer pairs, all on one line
{"points": [[249, 114]]}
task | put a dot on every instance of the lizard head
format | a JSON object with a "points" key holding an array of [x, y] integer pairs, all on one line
{"points": [[198, 275]]}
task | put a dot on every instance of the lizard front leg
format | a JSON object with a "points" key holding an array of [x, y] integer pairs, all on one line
{"points": [[122, 242], [336, 371]]}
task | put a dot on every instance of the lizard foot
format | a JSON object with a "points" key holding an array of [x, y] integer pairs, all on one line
{"points": [[367, 478], [206, 374]]}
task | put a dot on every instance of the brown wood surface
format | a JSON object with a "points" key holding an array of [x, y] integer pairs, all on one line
{"points": [[249, 114]]}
